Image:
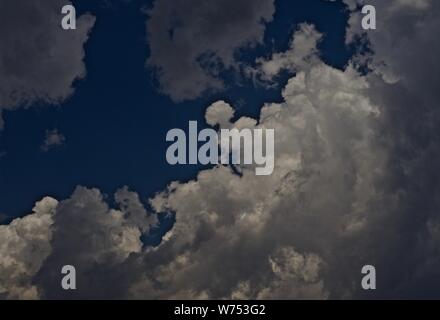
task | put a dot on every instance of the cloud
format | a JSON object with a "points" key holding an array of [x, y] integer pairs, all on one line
{"points": [[24, 245], [404, 78], [302, 53], [81, 231], [192, 42], [219, 112], [3, 217], [96, 239], [286, 239], [355, 183], [52, 140], [327, 166], [39, 61], [296, 276], [404, 35]]}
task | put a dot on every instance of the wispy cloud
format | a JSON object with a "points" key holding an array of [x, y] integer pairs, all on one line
{"points": [[52, 140]]}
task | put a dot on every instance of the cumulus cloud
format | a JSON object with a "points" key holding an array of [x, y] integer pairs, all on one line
{"points": [[219, 112], [288, 228], [322, 128], [24, 245], [354, 183], [404, 36], [296, 276], [301, 54], [192, 42], [405, 56], [96, 239], [81, 231], [39, 60]]}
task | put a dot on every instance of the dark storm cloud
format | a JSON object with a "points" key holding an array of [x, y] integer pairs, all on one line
{"points": [[38, 59], [192, 41]]}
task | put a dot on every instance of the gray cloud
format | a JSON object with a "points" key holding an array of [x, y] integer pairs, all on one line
{"points": [[403, 37], [323, 127], [38, 59], [191, 42], [96, 240], [304, 211], [303, 52]]}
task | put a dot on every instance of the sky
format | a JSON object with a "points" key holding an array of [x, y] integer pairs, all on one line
{"points": [[84, 178]]}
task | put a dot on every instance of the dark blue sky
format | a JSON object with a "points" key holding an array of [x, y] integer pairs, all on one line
{"points": [[116, 121]]}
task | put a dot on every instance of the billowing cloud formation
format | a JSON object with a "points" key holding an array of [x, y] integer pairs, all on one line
{"points": [[282, 231], [24, 245], [81, 231], [404, 35], [191, 42], [38, 59], [287, 228], [355, 183]]}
